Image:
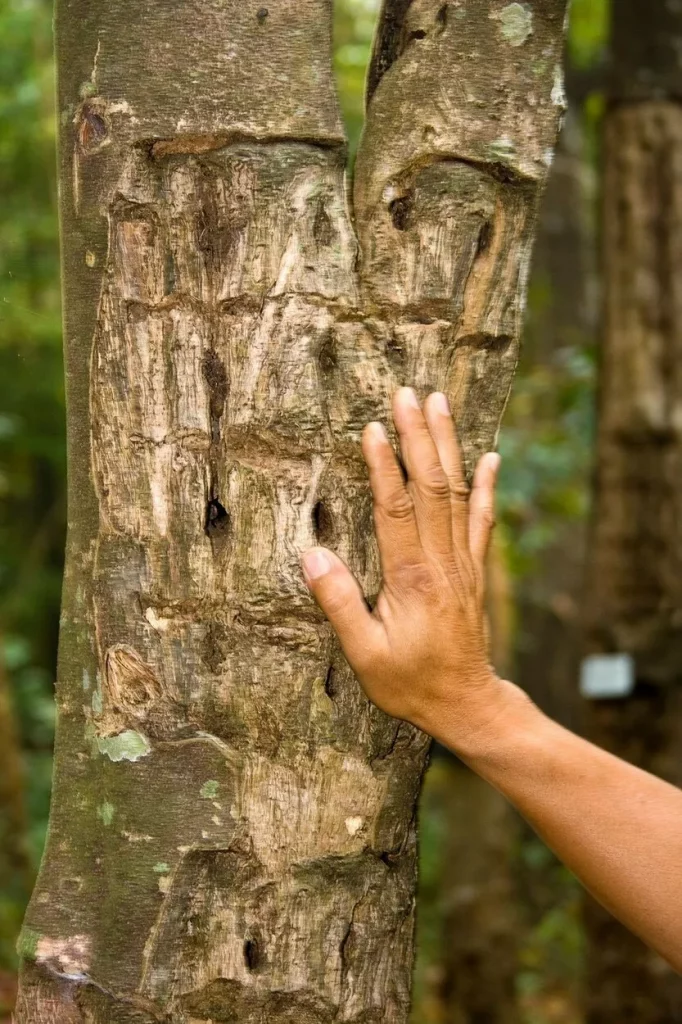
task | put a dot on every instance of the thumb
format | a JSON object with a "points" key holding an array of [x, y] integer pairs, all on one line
{"points": [[339, 596]]}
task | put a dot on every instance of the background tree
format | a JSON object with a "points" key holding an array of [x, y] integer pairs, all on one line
{"points": [[635, 560], [245, 842]]}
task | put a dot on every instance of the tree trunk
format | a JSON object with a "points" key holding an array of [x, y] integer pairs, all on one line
{"points": [[636, 563], [232, 834]]}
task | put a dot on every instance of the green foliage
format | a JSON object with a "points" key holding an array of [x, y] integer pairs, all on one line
{"points": [[32, 462], [354, 22], [546, 448], [589, 31]]}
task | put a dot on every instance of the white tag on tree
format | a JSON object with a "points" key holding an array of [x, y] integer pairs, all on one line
{"points": [[607, 676]]}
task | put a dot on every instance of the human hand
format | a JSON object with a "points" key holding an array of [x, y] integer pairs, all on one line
{"points": [[421, 654]]}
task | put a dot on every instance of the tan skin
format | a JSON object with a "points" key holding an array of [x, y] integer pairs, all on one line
{"points": [[421, 656]]}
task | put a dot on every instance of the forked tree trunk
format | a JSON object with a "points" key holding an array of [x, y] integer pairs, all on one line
{"points": [[232, 833], [636, 558]]}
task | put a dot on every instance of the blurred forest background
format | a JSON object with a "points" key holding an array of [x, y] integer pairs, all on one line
{"points": [[499, 918]]}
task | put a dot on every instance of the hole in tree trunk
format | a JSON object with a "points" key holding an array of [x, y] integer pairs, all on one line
{"points": [[251, 954], [418, 34], [330, 683], [327, 356], [400, 211], [93, 129], [484, 237], [217, 518], [322, 526]]}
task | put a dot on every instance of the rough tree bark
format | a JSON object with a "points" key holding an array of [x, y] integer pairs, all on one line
{"points": [[232, 834], [636, 557]]}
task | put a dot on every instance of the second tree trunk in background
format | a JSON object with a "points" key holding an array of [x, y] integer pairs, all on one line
{"points": [[636, 557]]}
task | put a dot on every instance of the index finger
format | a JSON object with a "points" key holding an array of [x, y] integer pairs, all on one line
{"points": [[394, 518]]}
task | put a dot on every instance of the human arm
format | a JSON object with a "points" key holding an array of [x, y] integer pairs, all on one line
{"points": [[421, 656]]}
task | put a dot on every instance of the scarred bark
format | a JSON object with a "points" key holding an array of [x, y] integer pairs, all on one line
{"points": [[232, 834]]}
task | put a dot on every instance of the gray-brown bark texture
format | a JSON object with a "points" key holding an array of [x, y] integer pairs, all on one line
{"points": [[636, 557], [232, 835]]}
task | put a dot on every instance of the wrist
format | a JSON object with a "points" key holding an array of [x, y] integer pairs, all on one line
{"points": [[489, 724]]}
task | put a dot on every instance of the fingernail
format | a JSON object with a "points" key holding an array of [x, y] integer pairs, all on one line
{"points": [[378, 432], [409, 397], [440, 402], [495, 461], [316, 563]]}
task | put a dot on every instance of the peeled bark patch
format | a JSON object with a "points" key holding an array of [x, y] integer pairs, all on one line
{"points": [[246, 844]]}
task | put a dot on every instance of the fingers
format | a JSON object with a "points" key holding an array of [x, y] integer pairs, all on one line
{"points": [[482, 508], [339, 596], [442, 427], [428, 483], [394, 518], [435, 508]]}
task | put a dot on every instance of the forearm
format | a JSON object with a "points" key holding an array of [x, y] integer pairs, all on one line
{"points": [[616, 827]]}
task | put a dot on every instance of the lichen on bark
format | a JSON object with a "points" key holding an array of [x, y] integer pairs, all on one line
{"points": [[232, 834]]}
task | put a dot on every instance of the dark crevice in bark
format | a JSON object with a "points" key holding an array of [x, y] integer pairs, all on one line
{"points": [[93, 129], [389, 857], [206, 142], [484, 238], [392, 746], [252, 957], [330, 683], [489, 342], [322, 524], [499, 171], [387, 42], [328, 357], [216, 379], [400, 211], [217, 519]]}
